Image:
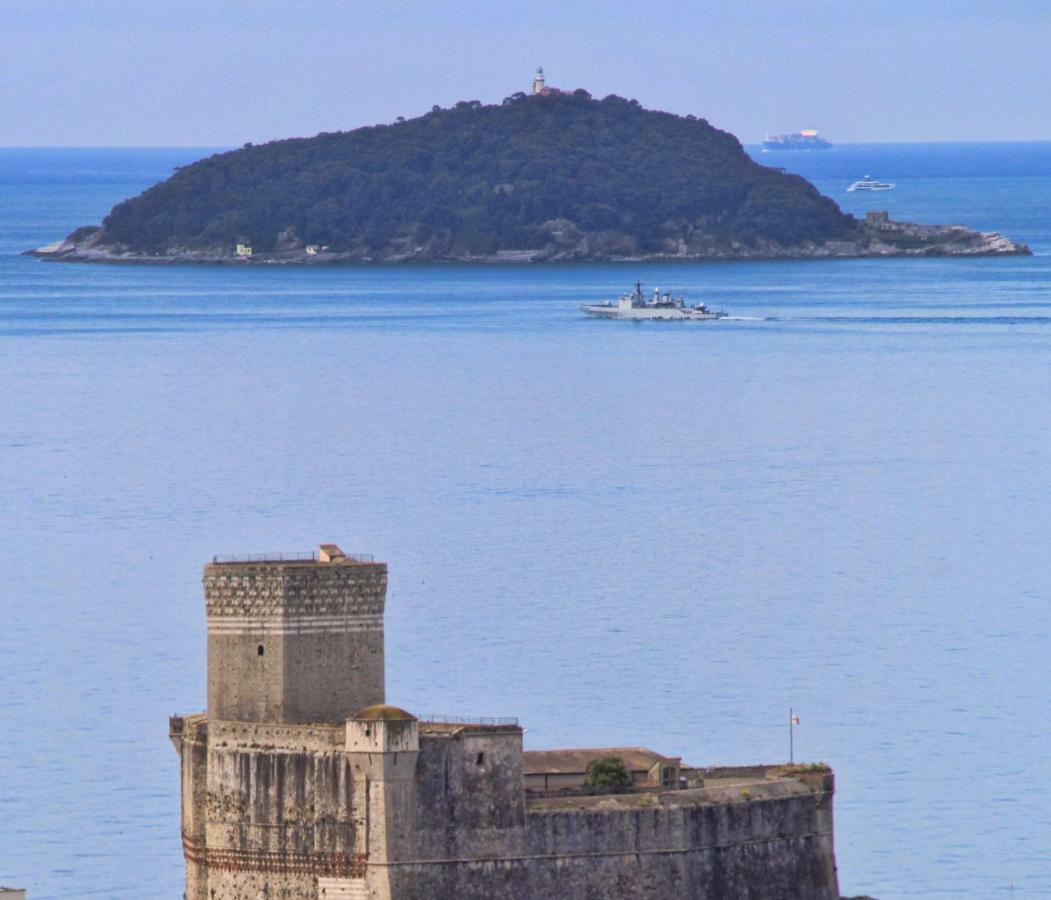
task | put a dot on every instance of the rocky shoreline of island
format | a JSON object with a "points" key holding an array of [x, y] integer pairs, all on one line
{"points": [[877, 236]]}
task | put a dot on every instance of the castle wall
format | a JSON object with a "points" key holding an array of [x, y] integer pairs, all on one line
{"points": [[466, 805], [267, 810], [776, 844], [766, 848], [190, 736], [281, 809]]}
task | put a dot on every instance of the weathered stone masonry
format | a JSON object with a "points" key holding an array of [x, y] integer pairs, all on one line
{"points": [[294, 641], [299, 783]]}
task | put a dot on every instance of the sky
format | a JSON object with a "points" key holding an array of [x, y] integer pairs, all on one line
{"points": [[224, 72]]}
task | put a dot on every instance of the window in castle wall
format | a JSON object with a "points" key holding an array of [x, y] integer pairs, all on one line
{"points": [[481, 759], [259, 651]]}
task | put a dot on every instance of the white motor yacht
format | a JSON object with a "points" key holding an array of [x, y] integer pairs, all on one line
{"points": [[868, 183]]}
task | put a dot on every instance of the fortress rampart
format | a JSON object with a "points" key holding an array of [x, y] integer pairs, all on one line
{"points": [[376, 804]]}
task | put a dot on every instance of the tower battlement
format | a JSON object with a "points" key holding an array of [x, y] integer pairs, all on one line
{"points": [[294, 639]]}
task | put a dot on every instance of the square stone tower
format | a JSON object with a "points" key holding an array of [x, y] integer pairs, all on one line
{"points": [[294, 640]]}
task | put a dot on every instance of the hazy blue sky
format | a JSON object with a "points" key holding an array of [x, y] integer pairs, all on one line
{"points": [[222, 72]]}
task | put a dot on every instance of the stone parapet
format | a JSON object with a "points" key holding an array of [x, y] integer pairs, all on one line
{"points": [[269, 736]]}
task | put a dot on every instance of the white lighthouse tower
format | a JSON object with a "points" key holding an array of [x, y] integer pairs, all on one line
{"points": [[538, 80]]}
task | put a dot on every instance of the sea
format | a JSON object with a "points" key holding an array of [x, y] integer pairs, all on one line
{"points": [[835, 503]]}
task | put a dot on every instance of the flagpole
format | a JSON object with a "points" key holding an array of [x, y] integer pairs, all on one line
{"points": [[791, 736]]}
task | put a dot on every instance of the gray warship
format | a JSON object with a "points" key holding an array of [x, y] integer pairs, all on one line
{"points": [[635, 307]]}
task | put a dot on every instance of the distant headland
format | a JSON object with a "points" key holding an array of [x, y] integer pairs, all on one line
{"points": [[550, 176]]}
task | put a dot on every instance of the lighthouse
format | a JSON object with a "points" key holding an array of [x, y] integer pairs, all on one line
{"points": [[538, 80]]}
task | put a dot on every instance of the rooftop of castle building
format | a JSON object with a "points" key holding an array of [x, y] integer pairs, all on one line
{"points": [[720, 793], [382, 712], [566, 762]]}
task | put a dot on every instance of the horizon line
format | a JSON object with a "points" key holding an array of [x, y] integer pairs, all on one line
{"points": [[755, 143]]}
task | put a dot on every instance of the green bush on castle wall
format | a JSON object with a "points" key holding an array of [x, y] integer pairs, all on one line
{"points": [[607, 775]]}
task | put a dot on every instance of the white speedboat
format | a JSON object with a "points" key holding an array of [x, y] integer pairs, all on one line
{"points": [[868, 183], [636, 307]]}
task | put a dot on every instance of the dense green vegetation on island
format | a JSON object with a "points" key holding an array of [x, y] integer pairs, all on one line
{"points": [[594, 177]]}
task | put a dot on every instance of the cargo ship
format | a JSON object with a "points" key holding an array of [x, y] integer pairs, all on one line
{"points": [[798, 140]]}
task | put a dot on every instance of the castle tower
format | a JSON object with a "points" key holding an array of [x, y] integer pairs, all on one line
{"points": [[294, 639], [538, 80], [383, 745]]}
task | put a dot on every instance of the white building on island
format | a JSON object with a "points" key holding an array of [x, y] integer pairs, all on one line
{"points": [[538, 80]]}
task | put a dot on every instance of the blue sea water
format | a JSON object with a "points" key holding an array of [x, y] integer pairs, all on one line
{"points": [[666, 535]]}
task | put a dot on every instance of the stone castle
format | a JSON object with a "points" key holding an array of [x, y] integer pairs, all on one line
{"points": [[300, 782]]}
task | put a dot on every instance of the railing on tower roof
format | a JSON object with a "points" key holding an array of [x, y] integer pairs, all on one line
{"points": [[468, 720], [286, 557]]}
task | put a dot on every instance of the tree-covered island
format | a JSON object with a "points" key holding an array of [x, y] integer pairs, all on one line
{"points": [[554, 177]]}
